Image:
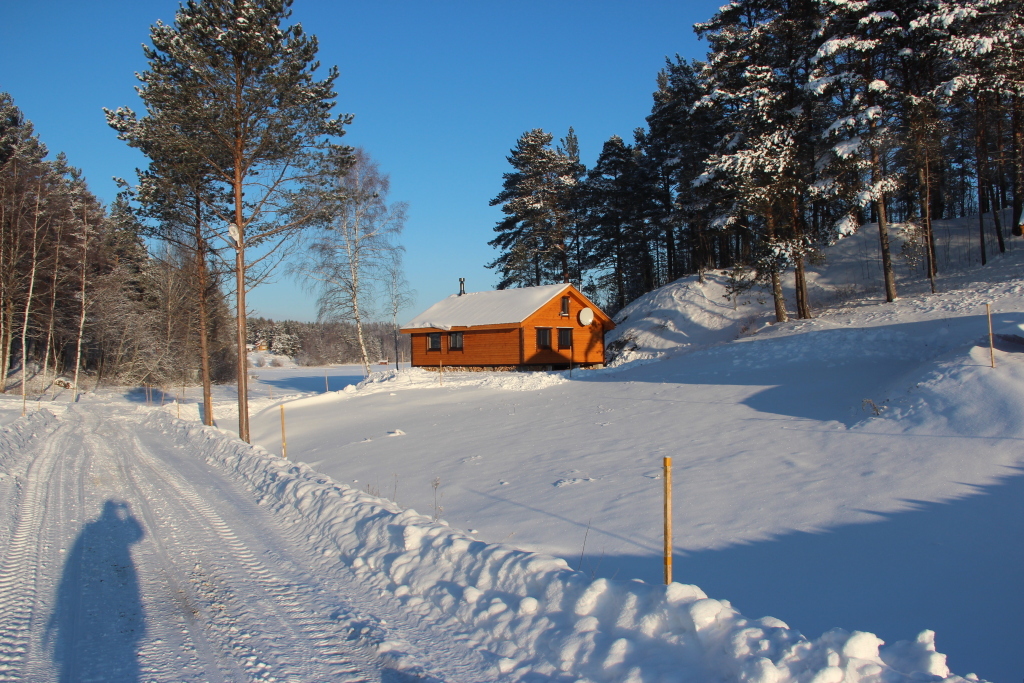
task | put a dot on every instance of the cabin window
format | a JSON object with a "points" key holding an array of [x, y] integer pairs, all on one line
{"points": [[565, 337], [565, 306], [543, 337], [454, 341], [434, 341]]}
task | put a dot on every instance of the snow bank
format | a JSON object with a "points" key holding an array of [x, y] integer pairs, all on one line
{"points": [[685, 313], [13, 437], [533, 614], [417, 378]]}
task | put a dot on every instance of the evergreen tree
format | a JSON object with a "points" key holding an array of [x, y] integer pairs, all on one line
{"points": [[755, 77], [234, 89], [535, 238]]}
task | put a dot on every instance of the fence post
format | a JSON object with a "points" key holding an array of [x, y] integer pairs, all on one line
{"points": [[284, 441], [667, 464], [991, 346]]}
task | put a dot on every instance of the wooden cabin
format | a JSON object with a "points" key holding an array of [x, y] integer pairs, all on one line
{"points": [[547, 327]]}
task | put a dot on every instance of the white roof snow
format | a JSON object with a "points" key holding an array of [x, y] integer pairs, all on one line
{"points": [[499, 307]]}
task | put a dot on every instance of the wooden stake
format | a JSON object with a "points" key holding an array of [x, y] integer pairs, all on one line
{"points": [[179, 406], [440, 371], [991, 346], [284, 441], [667, 464], [572, 348]]}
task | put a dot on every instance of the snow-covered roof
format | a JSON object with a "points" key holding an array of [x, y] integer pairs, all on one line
{"points": [[499, 307]]}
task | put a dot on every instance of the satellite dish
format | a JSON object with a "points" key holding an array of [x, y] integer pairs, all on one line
{"points": [[586, 316]]}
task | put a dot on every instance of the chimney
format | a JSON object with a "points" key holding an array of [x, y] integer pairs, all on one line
{"points": [[462, 286]]}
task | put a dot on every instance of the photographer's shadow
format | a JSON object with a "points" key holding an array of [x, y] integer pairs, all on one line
{"points": [[98, 619]]}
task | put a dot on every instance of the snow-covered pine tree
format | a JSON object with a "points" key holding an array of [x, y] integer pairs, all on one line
{"points": [[234, 87], [680, 138], [983, 45], [755, 78], [536, 198], [857, 69]]}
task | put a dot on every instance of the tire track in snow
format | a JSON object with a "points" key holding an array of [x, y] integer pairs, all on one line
{"points": [[281, 609], [19, 568], [183, 601]]}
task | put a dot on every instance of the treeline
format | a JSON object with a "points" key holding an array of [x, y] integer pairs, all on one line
{"points": [[78, 290], [807, 119], [323, 343]]}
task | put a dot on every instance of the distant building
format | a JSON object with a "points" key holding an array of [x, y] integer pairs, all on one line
{"points": [[547, 327]]}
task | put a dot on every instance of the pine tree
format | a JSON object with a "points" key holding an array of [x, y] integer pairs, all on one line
{"points": [[680, 138], [857, 67], [618, 232], [755, 78], [234, 89], [537, 199]]}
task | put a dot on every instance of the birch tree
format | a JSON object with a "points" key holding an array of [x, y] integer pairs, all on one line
{"points": [[351, 257]]}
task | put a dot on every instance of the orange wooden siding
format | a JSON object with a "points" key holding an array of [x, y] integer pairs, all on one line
{"points": [[479, 347], [587, 342]]}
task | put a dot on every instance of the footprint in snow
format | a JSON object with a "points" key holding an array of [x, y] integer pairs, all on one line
{"points": [[569, 482], [396, 432]]}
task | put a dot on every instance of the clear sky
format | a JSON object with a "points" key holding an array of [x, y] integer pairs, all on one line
{"points": [[441, 90]]}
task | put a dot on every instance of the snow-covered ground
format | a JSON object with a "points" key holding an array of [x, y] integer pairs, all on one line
{"points": [[852, 475]]}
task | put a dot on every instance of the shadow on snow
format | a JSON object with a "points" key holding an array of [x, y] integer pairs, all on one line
{"points": [[98, 619], [954, 567]]}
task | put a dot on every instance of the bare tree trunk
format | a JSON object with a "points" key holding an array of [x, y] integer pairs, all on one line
{"points": [[777, 294], [883, 230], [53, 308], [243, 359], [204, 343], [980, 152], [28, 304], [81, 319], [929, 233], [997, 220], [803, 305], [1017, 173], [5, 343]]}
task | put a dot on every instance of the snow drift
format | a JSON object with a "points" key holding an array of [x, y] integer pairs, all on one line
{"points": [[533, 614]]}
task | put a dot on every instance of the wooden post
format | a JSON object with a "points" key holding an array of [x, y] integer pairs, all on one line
{"points": [[440, 371], [179, 406], [667, 463], [327, 386], [284, 441], [991, 346], [572, 348]]}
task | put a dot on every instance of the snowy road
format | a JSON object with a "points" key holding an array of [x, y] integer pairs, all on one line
{"points": [[125, 557]]}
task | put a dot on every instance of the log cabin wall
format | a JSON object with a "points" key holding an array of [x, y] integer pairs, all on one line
{"points": [[494, 346], [587, 342]]}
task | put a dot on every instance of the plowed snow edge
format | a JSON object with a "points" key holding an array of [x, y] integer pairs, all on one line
{"points": [[531, 614]]}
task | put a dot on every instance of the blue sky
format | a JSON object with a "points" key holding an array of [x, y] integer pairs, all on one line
{"points": [[440, 90]]}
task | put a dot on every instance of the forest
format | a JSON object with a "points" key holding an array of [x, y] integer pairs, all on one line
{"points": [[245, 177], [806, 120]]}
